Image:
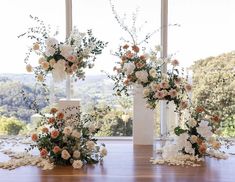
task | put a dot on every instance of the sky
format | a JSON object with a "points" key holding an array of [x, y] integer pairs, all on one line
{"points": [[206, 27]]}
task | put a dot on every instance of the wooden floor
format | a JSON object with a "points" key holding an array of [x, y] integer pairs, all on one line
{"points": [[125, 163]]}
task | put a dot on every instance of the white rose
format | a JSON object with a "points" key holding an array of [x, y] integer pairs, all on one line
{"points": [[66, 50], [50, 51], [76, 154], [129, 68], [77, 164], [90, 145], [51, 42], [142, 76], [103, 151], [67, 130], [146, 92], [192, 123], [153, 73], [65, 154]]}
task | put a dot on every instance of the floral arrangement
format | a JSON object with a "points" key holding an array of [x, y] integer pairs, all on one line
{"points": [[69, 140], [199, 134], [136, 67], [70, 57]]}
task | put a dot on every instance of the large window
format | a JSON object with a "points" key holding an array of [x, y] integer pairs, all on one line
{"points": [[15, 115], [97, 89], [204, 43]]}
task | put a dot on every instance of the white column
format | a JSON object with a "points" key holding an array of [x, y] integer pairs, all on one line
{"points": [[68, 102], [68, 11], [143, 122], [164, 34]]}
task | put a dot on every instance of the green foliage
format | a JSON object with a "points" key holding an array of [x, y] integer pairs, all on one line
{"points": [[179, 131], [213, 87], [10, 126], [114, 122], [11, 100]]}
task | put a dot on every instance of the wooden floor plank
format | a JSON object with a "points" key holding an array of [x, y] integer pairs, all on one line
{"points": [[125, 163]]}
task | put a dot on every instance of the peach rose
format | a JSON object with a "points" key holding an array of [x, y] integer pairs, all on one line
{"points": [[56, 149], [51, 120], [202, 148], [65, 154], [74, 67], [215, 119], [41, 60], [125, 46], [129, 55], [135, 48], [173, 93], [52, 62], [36, 46], [34, 137], [72, 58], [43, 153], [53, 110], [77, 164], [164, 84], [45, 65], [177, 81], [143, 57], [40, 78], [183, 104], [29, 68], [216, 145], [188, 87], [45, 130], [55, 134], [175, 62], [159, 95], [60, 115], [199, 109]]}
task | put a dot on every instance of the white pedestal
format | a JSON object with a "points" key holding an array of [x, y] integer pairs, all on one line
{"points": [[143, 123], [74, 104]]}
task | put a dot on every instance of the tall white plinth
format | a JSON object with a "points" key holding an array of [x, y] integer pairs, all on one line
{"points": [[143, 123]]}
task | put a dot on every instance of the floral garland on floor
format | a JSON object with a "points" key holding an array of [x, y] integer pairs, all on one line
{"points": [[199, 135], [69, 140], [71, 57]]}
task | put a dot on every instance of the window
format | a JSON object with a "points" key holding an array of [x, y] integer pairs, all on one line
{"points": [[14, 16], [98, 16], [204, 43]]}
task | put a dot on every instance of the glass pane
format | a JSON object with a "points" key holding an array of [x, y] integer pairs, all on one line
{"points": [[98, 16], [15, 115], [204, 42]]}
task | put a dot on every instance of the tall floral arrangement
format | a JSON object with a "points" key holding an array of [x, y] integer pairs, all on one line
{"points": [[198, 136], [69, 57], [145, 69]]}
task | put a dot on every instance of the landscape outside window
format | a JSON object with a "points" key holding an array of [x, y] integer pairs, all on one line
{"points": [[15, 115], [97, 88], [204, 43]]}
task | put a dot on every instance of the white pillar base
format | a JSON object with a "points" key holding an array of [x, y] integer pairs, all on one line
{"points": [[143, 122], [74, 104]]}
